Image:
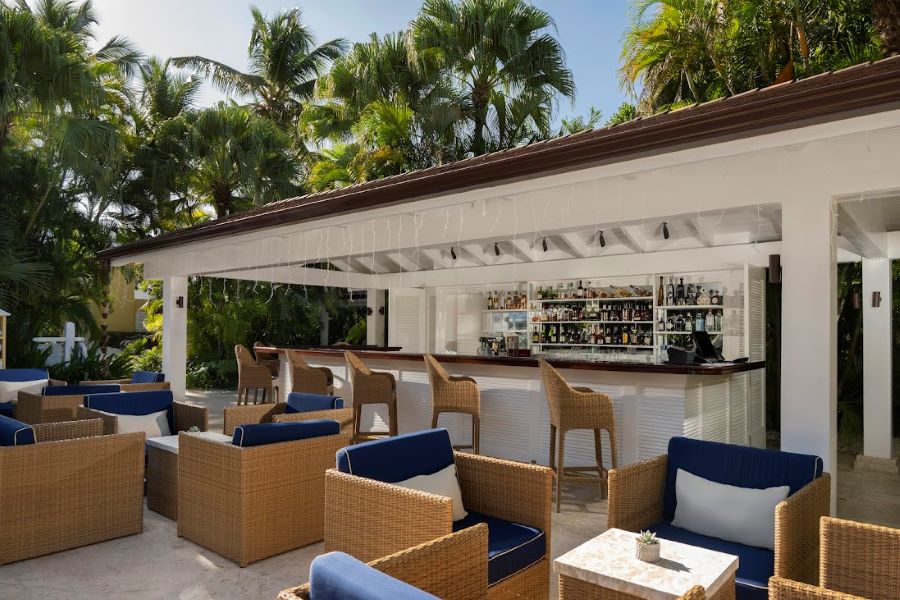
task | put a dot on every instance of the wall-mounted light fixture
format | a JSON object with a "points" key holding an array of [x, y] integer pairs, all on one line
{"points": [[665, 230], [452, 253], [179, 301], [544, 244], [774, 268], [496, 249], [601, 239], [876, 299]]}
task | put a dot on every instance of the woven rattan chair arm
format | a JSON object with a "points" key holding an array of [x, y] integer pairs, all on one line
{"points": [[452, 567], [110, 421], [583, 390], [260, 371], [146, 387], [329, 376], [28, 407], [57, 382], [103, 381], [636, 494], [859, 558], [797, 531], [506, 489], [250, 413], [466, 378], [786, 589], [189, 415], [67, 430], [381, 375], [698, 592], [369, 519], [344, 416]]}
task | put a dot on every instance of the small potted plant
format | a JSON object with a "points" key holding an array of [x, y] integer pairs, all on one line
{"points": [[647, 548], [194, 429]]}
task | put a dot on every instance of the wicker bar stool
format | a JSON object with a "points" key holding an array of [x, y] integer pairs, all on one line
{"points": [[454, 394], [267, 358], [253, 376], [370, 387], [577, 408], [308, 379]]}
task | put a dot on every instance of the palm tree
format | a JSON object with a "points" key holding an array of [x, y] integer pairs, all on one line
{"points": [[502, 60], [284, 65], [887, 20]]}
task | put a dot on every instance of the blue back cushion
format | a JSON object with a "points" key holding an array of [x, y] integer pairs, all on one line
{"points": [[134, 403], [259, 434], [15, 433], [7, 409], [80, 390], [23, 374], [147, 377], [339, 576], [298, 402], [398, 458], [737, 465]]}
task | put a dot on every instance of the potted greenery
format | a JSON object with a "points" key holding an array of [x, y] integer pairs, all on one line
{"points": [[647, 548]]}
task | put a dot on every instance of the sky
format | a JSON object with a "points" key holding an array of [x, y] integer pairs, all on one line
{"points": [[590, 32]]}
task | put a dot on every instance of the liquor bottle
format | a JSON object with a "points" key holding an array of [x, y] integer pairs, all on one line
{"points": [[679, 323], [579, 293], [699, 322], [714, 297], [710, 321], [535, 337], [624, 336], [660, 292], [690, 295], [670, 293], [679, 291], [662, 324], [719, 323], [689, 323], [670, 324]]}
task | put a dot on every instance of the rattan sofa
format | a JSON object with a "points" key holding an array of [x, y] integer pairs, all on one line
{"points": [[368, 518], [277, 413], [72, 488], [181, 415], [642, 496], [250, 503], [57, 403], [856, 561], [451, 567]]}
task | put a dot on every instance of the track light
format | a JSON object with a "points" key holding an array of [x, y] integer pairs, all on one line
{"points": [[496, 249], [601, 240], [665, 230], [453, 252], [544, 244]]}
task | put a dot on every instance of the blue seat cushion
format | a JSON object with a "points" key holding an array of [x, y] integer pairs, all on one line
{"points": [[299, 402], [134, 403], [80, 390], [7, 409], [18, 375], [736, 465], [259, 434], [339, 576], [15, 433], [511, 547], [147, 377], [755, 565], [399, 457]]}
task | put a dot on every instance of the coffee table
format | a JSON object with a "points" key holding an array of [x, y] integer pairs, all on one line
{"points": [[162, 471], [606, 568]]}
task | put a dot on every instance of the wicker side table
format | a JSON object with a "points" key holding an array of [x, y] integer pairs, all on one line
{"points": [[162, 472], [605, 568]]}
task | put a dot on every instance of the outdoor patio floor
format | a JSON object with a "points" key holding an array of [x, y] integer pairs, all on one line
{"points": [[159, 564]]}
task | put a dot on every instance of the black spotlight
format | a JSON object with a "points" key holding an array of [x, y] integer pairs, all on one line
{"points": [[453, 252], [665, 230], [601, 239], [544, 244], [775, 269], [496, 249]]}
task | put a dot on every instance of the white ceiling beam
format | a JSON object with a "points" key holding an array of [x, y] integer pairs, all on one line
{"points": [[862, 223], [438, 259], [703, 234], [300, 276], [375, 264], [522, 249], [403, 262], [579, 248], [477, 254], [632, 237]]}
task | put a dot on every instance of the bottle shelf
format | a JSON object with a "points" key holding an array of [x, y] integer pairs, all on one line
{"points": [[617, 299], [686, 332], [597, 345], [505, 310], [690, 306], [592, 322]]}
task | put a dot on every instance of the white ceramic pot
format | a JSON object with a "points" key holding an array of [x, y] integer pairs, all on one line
{"points": [[647, 552]]}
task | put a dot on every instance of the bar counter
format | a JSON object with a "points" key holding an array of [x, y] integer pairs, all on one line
{"points": [[652, 402]]}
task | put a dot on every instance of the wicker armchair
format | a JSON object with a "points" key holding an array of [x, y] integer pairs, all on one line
{"points": [[370, 387], [308, 379], [454, 394], [856, 561], [452, 567], [140, 381], [641, 497], [577, 408], [368, 519], [267, 357], [50, 408], [247, 504], [103, 473], [253, 376], [275, 413], [182, 415]]}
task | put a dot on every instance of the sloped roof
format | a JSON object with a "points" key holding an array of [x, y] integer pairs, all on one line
{"points": [[862, 88]]}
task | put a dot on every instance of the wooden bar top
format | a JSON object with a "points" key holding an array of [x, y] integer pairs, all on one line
{"points": [[508, 361]]}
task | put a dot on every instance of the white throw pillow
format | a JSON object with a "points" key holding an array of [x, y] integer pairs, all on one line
{"points": [[441, 483], [154, 425], [9, 390], [735, 514]]}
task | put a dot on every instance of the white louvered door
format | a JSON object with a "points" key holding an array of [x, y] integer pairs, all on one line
{"points": [[407, 319], [755, 328]]}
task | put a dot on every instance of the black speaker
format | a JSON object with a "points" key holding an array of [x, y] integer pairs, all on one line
{"points": [[774, 268]]}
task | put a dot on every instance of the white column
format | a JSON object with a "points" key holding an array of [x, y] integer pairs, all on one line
{"points": [[374, 318], [809, 331], [876, 276], [174, 344]]}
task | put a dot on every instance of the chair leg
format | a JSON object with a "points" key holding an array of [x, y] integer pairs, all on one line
{"points": [[561, 471], [392, 414], [357, 417], [476, 433], [255, 395], [598, 451], [434, 418], [552, 462]]}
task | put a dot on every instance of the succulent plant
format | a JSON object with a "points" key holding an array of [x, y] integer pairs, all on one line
{"points": [[194, 429], [647, 537]]}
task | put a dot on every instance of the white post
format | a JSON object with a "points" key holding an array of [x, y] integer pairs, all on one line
{"points": [[876, 456], [375, 317], [809, 331], [68, 341], [174, 349]]}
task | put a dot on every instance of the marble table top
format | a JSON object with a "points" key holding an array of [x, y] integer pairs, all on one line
{"points": [[169, 443], [609, 561]]}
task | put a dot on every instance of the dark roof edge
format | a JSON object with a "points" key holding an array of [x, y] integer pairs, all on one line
{"points": [[861, 88]]}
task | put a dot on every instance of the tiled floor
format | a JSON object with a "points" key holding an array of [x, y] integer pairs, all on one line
{"points": [[158, 564]]}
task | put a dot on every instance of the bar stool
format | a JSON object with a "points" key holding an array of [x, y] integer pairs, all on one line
{"points": [[267, 358], [370, 387], [454, 394], [253, 376], [309, 379], [577, 408]]}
